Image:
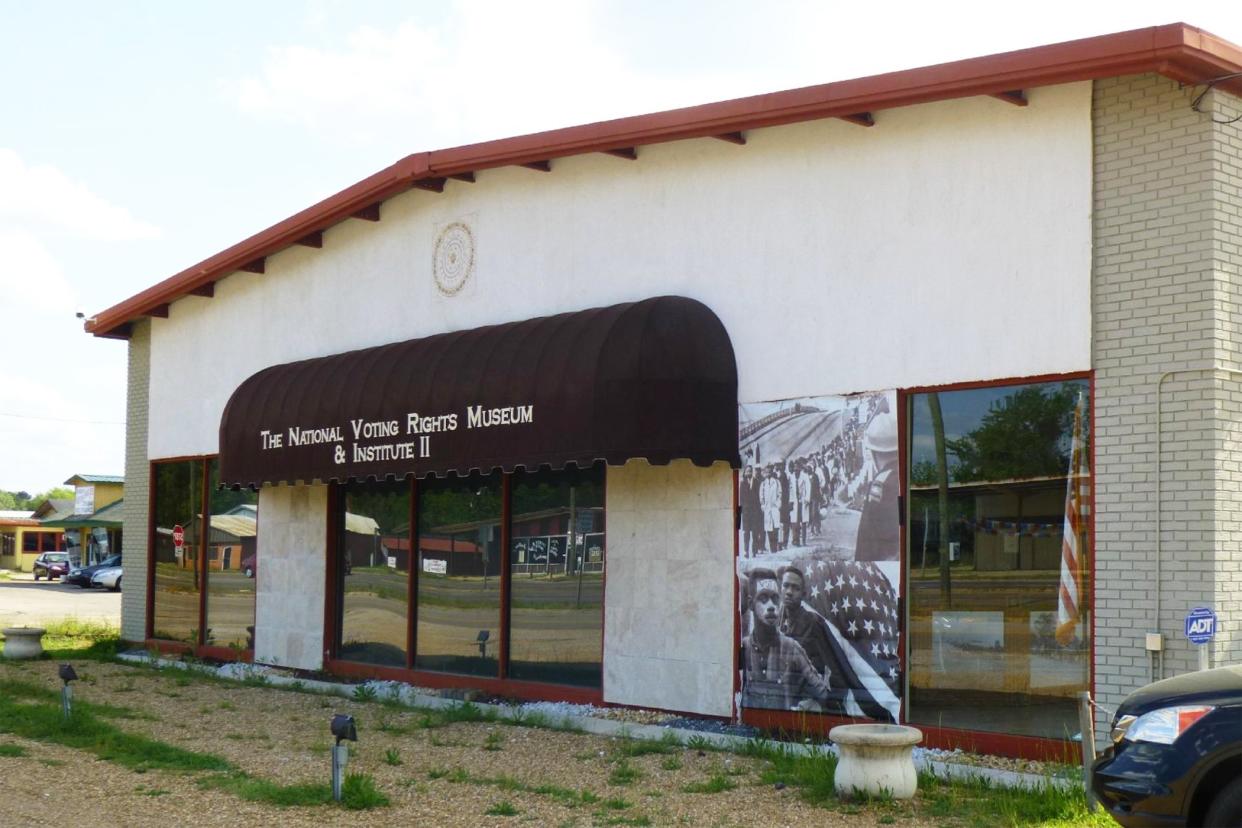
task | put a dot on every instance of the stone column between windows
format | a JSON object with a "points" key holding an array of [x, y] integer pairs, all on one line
{"points": [[135, 514]]}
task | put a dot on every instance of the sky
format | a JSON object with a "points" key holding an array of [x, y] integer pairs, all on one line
{"points": [[138, 138]]}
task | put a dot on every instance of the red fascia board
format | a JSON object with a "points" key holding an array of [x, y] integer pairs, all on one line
{"points": [[318, 217], [1178, 51]]}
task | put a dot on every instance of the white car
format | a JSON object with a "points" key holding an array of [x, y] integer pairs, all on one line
{"points": [[109, 577]]}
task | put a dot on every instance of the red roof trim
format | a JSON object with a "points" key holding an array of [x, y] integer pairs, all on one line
{"points": [[1178, 51]]}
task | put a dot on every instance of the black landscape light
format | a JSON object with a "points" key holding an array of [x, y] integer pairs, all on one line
{"points": [[482, 641], [67, 674], [343, 728]]}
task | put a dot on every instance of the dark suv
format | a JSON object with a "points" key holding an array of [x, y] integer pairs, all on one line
{"points": [[1176, 757], [51, 565]]}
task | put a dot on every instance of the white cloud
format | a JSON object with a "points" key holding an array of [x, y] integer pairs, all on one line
{"points": [[43, 196], [53, 375], [492, 70], [30, 276]]}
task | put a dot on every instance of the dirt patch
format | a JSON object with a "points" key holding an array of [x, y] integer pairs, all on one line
{"points": [[447, 775]]}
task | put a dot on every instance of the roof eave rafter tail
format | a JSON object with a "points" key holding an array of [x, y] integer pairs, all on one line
{"points": [[431, 185], [863, 119], [1014, 96]]}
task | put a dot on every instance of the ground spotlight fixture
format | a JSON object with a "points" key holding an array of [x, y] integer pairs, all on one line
{"points": [[67, 674], [343, 728]]}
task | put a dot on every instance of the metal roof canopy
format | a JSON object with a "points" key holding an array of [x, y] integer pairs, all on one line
{"points": [[655, 379]]}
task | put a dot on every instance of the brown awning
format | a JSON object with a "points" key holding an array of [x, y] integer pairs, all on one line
{"points": [[653, 379]]}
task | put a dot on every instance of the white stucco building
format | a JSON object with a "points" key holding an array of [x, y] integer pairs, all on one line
{"points": [[1036, 234]]}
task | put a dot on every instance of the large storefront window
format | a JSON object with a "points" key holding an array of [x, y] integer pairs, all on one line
{"points": [[459, 574], [999, 484], [178, 505], [557, 564], [232, 564], [374, 570], [204, 571], [553, 630]]}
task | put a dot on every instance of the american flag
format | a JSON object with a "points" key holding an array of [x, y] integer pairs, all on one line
{"points": [[1070, 598], [860, 605]]}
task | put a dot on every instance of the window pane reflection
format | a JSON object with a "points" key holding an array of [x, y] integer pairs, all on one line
{"points": [[986, 527], [232, 565], [459, 574], [557, 587], [178, 503], [374, 573]]}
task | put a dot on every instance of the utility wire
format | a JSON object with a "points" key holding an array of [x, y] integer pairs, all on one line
{"points": [[1195, 104]]}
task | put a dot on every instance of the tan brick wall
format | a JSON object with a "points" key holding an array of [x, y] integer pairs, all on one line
{"points": [[1164, 292], [137, 489], [1227, 240]]}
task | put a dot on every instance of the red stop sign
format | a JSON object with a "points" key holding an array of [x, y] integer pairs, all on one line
{"points": [[178, 536]]}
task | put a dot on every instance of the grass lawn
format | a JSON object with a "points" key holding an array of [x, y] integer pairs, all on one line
{"points": [[177, 746]]}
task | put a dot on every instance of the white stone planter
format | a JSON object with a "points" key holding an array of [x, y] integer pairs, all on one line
{"points": [[23, 642], [876, 759]]}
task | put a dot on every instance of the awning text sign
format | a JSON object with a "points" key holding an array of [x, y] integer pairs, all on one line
{"points": [[653, 379], [363, 441]]}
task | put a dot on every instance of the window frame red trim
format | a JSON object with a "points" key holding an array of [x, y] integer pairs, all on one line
{"points": [[199, 648], [1027, 747], [501, 683]]}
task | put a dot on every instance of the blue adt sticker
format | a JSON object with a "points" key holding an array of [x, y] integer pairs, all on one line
{"points": [[1200, 625]]}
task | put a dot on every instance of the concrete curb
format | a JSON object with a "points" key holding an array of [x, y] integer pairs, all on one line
{"points": [[955, 771]]}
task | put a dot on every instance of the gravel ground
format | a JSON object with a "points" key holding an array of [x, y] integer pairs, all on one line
{"points": [[282, 736]]}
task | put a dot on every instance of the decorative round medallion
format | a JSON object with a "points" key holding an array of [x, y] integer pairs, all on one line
{"points": [[453, 260]]}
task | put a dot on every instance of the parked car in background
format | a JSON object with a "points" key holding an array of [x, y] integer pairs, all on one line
{"points": [[80, 576], [1176, 757], [109, 578], [51, 565]]}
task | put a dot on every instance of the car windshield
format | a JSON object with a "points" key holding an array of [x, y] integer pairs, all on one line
{"points": [[115, 560]]}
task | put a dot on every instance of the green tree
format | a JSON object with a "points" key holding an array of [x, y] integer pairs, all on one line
{"points": [[54, 493], [1022, 435], [7, 501]]}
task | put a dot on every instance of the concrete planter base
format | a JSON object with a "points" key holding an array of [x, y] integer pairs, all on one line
{"points": [[23, 642], [876, 759]]}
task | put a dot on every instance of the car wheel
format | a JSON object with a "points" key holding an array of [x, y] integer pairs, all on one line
{"points": [[117, 586], [249, 572], [36, 574], [1227, 806]]}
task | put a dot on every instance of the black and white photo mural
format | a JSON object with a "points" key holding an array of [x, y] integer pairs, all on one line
{"points": [[819, 555]]}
